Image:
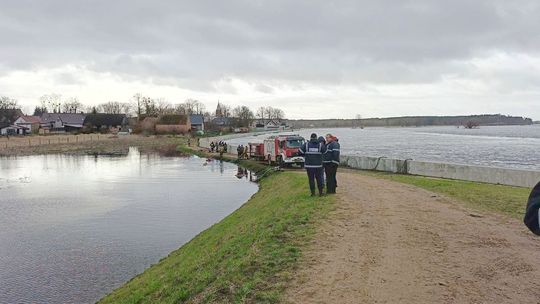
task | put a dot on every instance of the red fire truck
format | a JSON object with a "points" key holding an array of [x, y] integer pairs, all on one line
{"points": [[280, 149]]}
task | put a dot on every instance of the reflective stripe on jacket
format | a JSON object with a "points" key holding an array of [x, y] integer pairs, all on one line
{"points": [[313, 152], [332, 153]]}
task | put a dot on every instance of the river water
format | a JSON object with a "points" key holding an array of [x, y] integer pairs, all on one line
{"points": [[498, 146], [72, 228]]}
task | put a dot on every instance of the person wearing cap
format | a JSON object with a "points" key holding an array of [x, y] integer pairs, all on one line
{"points": [[331, 163], [532, 213], [313, 151]]}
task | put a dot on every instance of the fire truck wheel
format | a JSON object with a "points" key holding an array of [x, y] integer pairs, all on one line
{"points": [[269, 160]]}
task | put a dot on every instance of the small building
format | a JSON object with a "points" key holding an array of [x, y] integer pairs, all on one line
{"points": [[266, 124], [31, 123], [107, 123], [197, 122], [12, 130], [62, 122]]}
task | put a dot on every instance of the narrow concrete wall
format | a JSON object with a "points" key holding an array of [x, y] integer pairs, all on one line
{"points": [[503, 176], [491, 175]]}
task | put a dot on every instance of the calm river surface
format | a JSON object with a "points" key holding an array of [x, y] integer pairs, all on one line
{"points": [[497, 146], [72, 228]]}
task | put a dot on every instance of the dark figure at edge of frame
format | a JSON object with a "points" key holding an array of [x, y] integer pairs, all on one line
{"points": [[331, 163], [313, 151], [532, 213]]}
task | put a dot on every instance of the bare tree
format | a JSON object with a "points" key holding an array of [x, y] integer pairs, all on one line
{"points": [[244, 115], [278, 114], [180, 109], [8, 103], [138, 106], [193, 106], [51, 102], [149, 105], [72, 105], [261, 114], [113, 107], [164, 107], [110, 107]]}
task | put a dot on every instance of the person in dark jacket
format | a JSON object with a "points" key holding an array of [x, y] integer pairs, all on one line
{"points": [[331, 163], [240, 151], [532, 212], [322, 141], [313, 151]]}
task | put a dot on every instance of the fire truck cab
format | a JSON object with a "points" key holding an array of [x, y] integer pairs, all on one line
{"points": [[284, 150]]}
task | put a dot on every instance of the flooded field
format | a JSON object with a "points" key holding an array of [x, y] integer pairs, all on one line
{"points": [[72, 228], [497, 146]]}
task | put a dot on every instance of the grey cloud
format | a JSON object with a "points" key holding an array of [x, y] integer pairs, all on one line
{"points": [[193, 43]]}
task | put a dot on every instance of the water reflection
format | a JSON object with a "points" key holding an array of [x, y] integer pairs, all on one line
{"points": [[74, 227]]}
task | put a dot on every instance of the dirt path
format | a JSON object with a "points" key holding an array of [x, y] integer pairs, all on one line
{"points": [[393, 243]]}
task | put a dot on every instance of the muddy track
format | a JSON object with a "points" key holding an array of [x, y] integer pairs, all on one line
{"points": [[393, 243]]}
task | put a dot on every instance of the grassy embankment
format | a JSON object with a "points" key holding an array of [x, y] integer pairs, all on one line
{"points": [[109, 145], [501, 199], [247, 257]]}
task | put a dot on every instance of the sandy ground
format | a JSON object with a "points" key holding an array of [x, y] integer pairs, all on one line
{"points": [[393, 243]]}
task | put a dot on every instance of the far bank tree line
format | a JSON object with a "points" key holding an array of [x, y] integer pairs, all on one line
{"points": [[141, 106]]}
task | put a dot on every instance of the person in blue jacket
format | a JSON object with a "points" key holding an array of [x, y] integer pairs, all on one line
{"points": [[532, 213], [322, 140], [331, 163], [313, 151]]}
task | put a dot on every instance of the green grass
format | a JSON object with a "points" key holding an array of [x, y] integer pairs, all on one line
{"points": [[502, 199], [245, 258]]}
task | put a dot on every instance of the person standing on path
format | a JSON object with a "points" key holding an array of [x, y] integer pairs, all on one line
{"points": [[322, 141], [313, 151], [532, 213], [240, 151], [331, 163]]}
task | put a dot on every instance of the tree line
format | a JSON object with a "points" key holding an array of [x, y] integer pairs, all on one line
{"points": [[142, 106]]}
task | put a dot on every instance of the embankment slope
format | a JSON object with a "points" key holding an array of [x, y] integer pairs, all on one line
{"points": [[246, 257]]}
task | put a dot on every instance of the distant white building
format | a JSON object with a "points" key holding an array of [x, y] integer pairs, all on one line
{"points": [[31, 123], [266, 124]]}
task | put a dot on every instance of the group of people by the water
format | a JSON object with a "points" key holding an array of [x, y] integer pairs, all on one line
{"points": [[242, 152], [220, 147], [321, 159]]}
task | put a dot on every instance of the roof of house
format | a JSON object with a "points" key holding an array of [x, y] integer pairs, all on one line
{"points": [[102, 119], [173, 119], [66, 118], [3, 125], [31, 119], [196, 119], [221, 121]]}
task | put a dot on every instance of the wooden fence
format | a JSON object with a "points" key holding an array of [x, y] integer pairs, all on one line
{"points": [[30, 141]]}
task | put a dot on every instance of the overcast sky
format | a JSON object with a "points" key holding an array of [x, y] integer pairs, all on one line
{"points": [[313, 59]]}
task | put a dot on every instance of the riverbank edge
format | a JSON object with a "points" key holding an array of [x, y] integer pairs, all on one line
{"points": [[241, 258]]}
